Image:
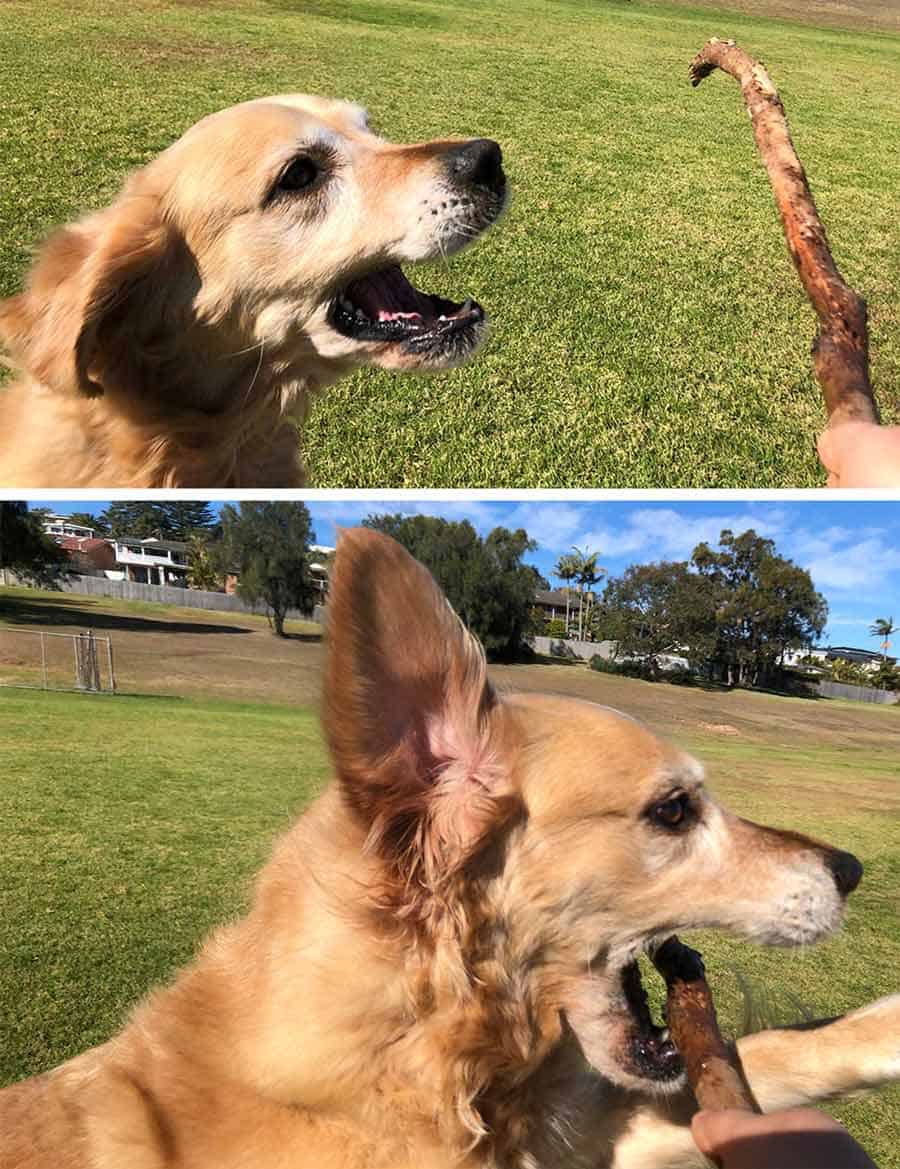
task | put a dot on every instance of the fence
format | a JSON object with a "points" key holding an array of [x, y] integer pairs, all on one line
{"points": [[857, 693], [39, 659], [129, 590]]}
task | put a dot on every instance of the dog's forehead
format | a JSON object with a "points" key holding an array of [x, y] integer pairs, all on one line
{"points": [[579, 751]]}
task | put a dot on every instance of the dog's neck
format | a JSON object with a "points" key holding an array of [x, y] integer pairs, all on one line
{"points": [[458, 1031], [119, 439]]}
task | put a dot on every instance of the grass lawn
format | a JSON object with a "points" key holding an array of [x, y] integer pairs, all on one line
{"points": [[129, 825], [649, 329]]}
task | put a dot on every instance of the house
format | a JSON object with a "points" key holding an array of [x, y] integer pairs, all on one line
{"points": [[151, 561], [90, 556], [60, 527], [551, 603], [320, 565], [822, 656]]}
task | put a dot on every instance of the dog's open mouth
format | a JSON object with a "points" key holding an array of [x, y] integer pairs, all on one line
{"points": [[650, 1052], [384, 306]]}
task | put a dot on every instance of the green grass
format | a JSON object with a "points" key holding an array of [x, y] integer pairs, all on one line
{"points": [[129, 826], [649, 329]]}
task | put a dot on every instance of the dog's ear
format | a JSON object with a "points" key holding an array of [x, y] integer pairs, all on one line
{"points": [[93, 299], [409, 713]]}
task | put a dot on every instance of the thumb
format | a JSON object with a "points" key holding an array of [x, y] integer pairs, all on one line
{"points": [[711, 1130]]}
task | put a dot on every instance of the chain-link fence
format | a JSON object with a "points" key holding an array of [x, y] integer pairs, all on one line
{"points": [[39, 659]]}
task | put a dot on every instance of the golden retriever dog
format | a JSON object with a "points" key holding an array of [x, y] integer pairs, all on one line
{"points": [[439, 967], [174, 338]]}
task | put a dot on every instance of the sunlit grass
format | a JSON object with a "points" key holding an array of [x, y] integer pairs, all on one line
{"points": [[648, 327]]}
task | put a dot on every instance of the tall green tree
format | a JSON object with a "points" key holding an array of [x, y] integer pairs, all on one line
{"points": [[588, 573], [765, 604], [89, 520], [268, 545], [185, 518], [883, 628], [657, 609], [485, 580], [26, 549], [139, 519], [203, 571], [566, 570]]}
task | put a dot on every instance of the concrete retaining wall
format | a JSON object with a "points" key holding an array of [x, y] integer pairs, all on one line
{"points": [[559, 647]]}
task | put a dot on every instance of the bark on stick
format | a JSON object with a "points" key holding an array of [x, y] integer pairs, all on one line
{"points": [[841, 348], [712, 1064]]}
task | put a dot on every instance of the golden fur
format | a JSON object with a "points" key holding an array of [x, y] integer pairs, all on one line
{"points": [[174, 338], [431, 972]]}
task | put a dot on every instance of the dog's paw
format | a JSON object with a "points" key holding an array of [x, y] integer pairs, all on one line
{"points": [[874, 1032]]}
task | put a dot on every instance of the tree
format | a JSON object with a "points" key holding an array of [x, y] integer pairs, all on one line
{"points": [[26, 549], [87, 520], [566, 570], [588, 573], [883, 628], [140, 519], [202, 566], [765, 604], [268, 544], [146, 519], [657, 609], [184, 518], [886, 677], [485, 581]]}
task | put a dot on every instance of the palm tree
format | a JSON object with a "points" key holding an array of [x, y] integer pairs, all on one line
{"points": [[588, 573], [566, 570], [883, 628]]}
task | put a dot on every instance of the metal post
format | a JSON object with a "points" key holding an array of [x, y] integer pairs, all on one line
{"points": [[109, 659]]}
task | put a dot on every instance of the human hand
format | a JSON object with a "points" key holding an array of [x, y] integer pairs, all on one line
{"points": [[861, 454], [801, 1138]]}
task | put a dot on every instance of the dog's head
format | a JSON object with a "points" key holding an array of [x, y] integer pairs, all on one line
{"points": [[271, 233], [545, 841]]}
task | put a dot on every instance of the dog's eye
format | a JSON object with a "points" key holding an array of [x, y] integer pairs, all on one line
{"points": [[301, 173], [671, 813]]}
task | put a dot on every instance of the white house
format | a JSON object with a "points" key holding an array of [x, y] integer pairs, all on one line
{"points": [[158, 562], [60, 526]]}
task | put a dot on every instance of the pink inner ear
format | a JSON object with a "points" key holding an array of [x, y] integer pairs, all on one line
{"points": [[468, 779]]}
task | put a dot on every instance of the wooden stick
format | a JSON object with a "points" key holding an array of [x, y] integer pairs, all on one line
{"points": [[712, 1064], [841, 348]]}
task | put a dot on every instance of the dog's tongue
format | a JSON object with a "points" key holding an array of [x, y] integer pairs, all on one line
{"points": [[386, 295]]}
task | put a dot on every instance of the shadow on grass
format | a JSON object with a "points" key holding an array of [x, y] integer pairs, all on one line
{"points": [[309, 637], [91, 693], [63, 611]]}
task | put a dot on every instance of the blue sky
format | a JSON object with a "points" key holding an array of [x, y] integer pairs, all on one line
{"points": [[852, 549]]}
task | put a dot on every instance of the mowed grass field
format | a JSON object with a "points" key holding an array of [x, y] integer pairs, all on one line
{"points": [[648, 327], [130, 825]]}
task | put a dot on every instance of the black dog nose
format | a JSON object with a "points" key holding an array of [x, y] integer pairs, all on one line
{"points": [[846, 870], [478, 163]]}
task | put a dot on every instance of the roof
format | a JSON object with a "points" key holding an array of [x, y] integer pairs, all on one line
{"points": [[556, 597], [81, 543]]}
